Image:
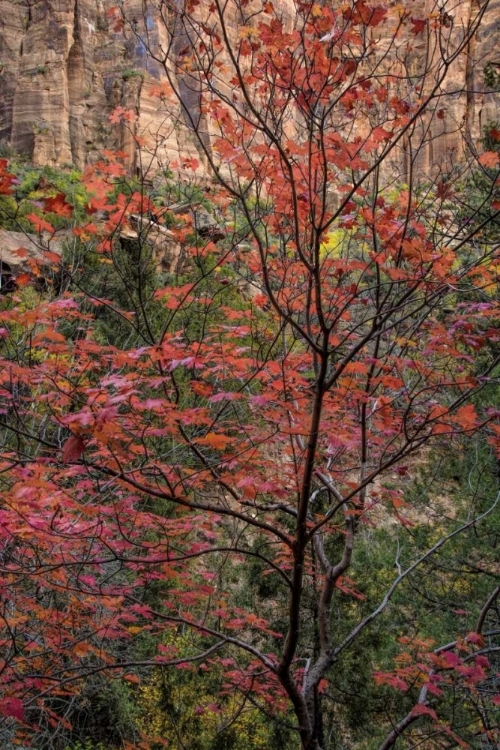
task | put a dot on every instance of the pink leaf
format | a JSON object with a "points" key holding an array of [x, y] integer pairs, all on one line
{"points": [[12, 707], [422, 710], [223, 397]]}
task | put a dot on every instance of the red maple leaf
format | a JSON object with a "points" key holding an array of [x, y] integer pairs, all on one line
{"points": [[58, 205], [12, 707], [73, 449], [419, 25]]}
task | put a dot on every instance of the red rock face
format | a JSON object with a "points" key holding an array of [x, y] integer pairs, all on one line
{"points": [[65, 67]]}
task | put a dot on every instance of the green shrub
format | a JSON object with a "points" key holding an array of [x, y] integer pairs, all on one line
{"points": [[129, 73]]}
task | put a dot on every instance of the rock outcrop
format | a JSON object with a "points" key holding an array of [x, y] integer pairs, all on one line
{"points": [[22, 252], [64, 67]]}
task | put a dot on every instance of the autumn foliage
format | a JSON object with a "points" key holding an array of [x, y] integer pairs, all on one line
{"points": [[254, 406]]}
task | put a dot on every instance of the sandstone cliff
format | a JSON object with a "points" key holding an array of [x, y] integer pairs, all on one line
{"points": [[64, 68]]}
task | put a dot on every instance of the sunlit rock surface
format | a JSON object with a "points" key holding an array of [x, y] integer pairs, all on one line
{"points": [[65, 67]]}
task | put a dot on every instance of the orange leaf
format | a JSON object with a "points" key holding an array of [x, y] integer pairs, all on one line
{"points": [[466, 417], [214, 440], [131, 678], [40, 224], [489, 159], [23, 279], [21, 252], [51, 257]]}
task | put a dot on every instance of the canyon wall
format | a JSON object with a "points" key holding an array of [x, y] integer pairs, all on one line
{"points": [[65, 66]]}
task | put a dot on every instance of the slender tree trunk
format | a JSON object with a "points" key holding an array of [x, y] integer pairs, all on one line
{"points": [[318, 719], [314, 740], [314, 744]]}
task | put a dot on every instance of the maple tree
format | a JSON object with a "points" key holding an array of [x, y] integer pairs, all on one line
{"points": [[252, 411]]}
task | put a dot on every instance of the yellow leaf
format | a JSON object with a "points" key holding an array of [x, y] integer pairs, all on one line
{"points": [[247, 31]]}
